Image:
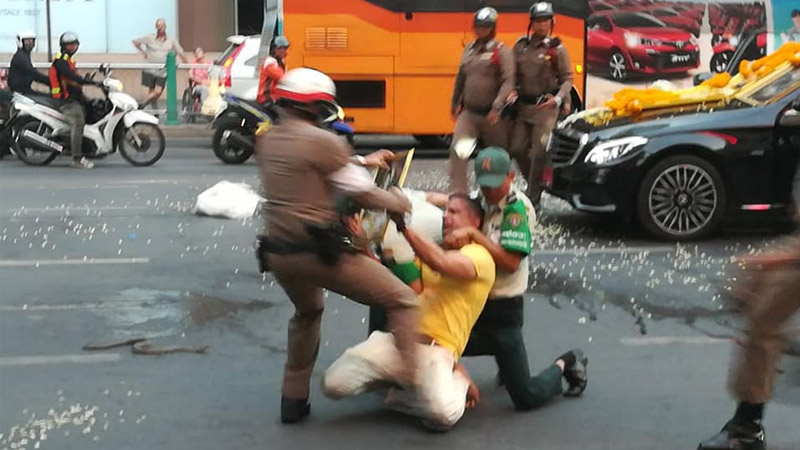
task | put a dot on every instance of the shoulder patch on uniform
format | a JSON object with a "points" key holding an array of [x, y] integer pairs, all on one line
{"points": [[555, 42]]}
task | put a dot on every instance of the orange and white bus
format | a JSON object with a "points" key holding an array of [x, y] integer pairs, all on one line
{"points": [[394, 61]]}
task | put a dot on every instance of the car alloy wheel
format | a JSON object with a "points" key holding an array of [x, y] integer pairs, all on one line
{"points": [[683, 200], [617, 67]]}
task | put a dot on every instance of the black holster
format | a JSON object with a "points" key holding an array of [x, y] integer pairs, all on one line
{"points": [[262, 244], [330, 241]]}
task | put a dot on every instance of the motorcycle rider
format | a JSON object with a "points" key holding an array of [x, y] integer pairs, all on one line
{"points": [[66, 86], [272, 70], [21, 73], [303, 167]]}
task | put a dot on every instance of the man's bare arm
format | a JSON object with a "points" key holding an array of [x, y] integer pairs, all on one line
{"points": [[448, 263]]}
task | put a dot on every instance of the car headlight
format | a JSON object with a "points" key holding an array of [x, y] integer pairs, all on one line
{"points": [[632, 40], [614, 149]]}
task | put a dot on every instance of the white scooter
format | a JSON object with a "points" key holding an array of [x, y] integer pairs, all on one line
{"points": [[41, 132]]}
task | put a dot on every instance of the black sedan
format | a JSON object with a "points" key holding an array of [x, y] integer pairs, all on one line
{"points": [[680, 171]]}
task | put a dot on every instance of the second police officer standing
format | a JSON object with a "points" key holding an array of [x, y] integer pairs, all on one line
{"points": [[544, 82]]}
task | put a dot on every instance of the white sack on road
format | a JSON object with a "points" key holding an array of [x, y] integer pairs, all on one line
{"points": [[226, 199]]}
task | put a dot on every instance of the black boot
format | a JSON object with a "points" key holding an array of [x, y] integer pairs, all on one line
{"points": [[293, 410], [575, 363], [737, 435]]}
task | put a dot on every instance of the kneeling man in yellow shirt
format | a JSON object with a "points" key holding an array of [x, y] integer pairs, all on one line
{"points": [[456, 283]]}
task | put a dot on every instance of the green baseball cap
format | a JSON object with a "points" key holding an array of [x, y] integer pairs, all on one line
{"points": [[492, 167]]}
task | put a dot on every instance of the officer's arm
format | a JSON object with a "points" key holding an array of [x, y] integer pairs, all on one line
{"points": [[508, 75], [458, 89], [564, 75], [66, 71], [355, 182], [451, 263], [504, 259]]}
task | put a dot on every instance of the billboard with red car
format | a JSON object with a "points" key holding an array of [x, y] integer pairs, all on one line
{"points": [[634, 43]]}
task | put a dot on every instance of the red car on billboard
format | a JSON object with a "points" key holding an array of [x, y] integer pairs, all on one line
{"points": [[624, 43]]}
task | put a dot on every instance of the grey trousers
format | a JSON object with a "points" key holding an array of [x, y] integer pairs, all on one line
{"points": [[76, 116]]}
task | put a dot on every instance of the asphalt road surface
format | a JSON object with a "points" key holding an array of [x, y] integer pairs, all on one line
{"points": [[116, 253]]}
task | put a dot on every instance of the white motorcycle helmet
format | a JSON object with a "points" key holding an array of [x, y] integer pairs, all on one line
{"points": [[303, 88], [24, 35]]}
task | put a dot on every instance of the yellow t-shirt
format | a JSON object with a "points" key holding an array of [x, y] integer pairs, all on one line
{"points": [[450, 307]]}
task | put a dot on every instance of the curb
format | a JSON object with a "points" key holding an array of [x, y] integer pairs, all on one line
{"points": [[187, 131]]}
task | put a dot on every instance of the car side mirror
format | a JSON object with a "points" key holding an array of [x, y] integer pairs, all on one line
{"points": [[701, 78]]}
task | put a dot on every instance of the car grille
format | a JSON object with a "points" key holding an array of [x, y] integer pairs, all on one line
{"points": [[564, 146]]}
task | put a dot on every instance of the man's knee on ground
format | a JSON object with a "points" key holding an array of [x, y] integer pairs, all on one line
{"points": [[444, 415]]}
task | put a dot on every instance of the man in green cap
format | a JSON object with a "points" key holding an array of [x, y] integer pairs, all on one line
{"points": [[506, 233]]}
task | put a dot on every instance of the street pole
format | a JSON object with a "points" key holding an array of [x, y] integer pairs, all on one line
{"points": [[49, 35], [172, 88]]}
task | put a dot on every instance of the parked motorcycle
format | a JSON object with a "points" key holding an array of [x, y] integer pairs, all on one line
{"points": [[41, 133], [236, 125]]}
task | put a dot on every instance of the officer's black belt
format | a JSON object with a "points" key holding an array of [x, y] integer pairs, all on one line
{"points": [[282, 247], [532, 99], [479, 111]]}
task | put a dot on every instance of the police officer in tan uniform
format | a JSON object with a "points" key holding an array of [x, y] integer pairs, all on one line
{"points": [[484, 82], [544, 81], [303, 168], [770, 293]]}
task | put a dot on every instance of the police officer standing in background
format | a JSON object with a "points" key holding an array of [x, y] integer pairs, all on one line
{"points": [[484, 81], [544, 81], [303, 167]]}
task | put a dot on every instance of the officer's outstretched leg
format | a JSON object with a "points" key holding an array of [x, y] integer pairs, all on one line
{"points": [[467, 126], [543, 124]]}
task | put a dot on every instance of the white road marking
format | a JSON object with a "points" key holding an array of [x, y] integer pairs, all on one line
{"points": [[58, 359], [69, 262], [70, 307], [78, 208], [670, 340], [600, 251]]}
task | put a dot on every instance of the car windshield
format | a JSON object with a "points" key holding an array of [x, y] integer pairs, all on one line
{"points": [[228, 52], [637, 20], [789, 81]]}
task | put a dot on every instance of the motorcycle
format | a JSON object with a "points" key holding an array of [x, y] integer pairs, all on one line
{"points": [[238, 121], [41, 133]]}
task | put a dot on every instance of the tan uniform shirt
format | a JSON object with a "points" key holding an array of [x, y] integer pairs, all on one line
{"points": [[296, 159], [542, 68], [485, 77]]}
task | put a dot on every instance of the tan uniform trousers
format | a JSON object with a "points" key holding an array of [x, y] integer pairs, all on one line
{"points": [[357, 277], [529, 138], [771, 297], [473, 125]]}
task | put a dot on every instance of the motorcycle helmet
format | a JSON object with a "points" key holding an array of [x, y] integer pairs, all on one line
{"points": [[541, 10], [24, 35], [485, 17], [68, 38], [306, 89], [281, 42]]}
